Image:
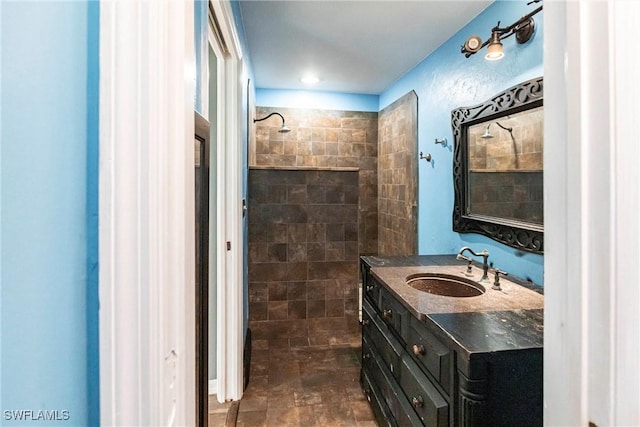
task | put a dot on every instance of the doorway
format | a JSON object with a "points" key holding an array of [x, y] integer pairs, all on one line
{"points": [[201, 162]]}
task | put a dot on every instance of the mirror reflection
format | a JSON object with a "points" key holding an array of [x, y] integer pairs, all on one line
{"points": [[506, 168], [498, 167]]}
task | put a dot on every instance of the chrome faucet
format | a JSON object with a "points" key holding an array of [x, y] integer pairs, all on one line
{"points": [[485, 260]]}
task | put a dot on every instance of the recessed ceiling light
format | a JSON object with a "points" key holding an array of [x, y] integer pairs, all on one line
{"points": [[309, 80]]}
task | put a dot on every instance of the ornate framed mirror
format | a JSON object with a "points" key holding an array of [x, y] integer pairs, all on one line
{"points": [[498, 167]]}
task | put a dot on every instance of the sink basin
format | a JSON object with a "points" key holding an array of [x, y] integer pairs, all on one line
{"points": [[445, 285]]}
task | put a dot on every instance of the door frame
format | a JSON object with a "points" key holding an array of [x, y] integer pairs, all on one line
{"points": [[592, 301], [146, 214], [224, 41]]}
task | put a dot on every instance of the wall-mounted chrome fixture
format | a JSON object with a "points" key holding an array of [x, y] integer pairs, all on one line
{"points": [[283, 128], [523, 29], [442, 141], [487, 133], [427, 157]]}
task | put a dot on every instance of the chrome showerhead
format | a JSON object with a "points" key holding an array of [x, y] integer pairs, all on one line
{"points": [[487, 133]]}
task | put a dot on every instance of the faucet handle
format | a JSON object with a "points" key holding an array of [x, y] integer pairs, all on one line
{"points": [[496, 281], [469, 272]]}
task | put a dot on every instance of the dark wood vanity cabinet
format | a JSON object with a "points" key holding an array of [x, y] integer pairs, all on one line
{"points": [[415, 375]]}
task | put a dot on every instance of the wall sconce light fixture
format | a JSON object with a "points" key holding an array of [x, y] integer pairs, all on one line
{"points": [[283, 128], [523, 29]]}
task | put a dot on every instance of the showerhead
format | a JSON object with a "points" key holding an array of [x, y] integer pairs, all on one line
{"points": [[487, 133], [283, 128]]}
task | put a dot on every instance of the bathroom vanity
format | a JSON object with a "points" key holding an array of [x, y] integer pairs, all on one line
{"points": [[449, 361]]}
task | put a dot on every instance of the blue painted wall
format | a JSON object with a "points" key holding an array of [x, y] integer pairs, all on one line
{"points": [[49, 211], [446, 80], [316, 99], [201, 45], [92, 194]]}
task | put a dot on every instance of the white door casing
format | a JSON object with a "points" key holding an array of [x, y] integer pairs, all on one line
{"points": [[147, 248], [592, 194], [229, 345]]}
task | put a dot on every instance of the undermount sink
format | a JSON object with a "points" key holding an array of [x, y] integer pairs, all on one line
{"points": [[445, 285]]}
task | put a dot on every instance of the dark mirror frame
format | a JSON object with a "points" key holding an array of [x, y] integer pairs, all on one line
{"points": [[517, 234]]}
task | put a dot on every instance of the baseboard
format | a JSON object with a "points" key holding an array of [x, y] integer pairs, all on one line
{"points": [[213, 387]]}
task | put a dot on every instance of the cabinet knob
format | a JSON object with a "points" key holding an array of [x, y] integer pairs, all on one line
{"points": [[369, 288], [365, 322], [387, 314], [366, 355], [417, 402], [419, 350]]}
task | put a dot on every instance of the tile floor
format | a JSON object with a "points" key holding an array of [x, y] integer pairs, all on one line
{"points": [[304, 387], [218, 412]]}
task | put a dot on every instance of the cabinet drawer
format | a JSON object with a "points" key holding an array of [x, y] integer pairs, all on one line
{"points": [[373, 368], [432, 356], [393, 312], [381, 339], [427, 402], [381, 411], [370, 287]]}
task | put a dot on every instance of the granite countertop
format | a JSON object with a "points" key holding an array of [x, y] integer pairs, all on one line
{"points": [[509, 319], [511, 296]]}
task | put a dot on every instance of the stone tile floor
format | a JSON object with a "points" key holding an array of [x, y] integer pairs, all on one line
{"points": [[304, 387], [218, 412]]}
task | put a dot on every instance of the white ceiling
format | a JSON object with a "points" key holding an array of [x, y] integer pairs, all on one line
{"points": [[352, 46]]}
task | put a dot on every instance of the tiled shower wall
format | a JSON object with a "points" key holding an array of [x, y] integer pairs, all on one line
{"points": [[518, 150], [398, 177], [325, 139], [514, 195], [303, 257], [506, 171]]}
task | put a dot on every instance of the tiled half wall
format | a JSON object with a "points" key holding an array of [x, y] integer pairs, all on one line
{"points": [[303, 257], [325, 139]]}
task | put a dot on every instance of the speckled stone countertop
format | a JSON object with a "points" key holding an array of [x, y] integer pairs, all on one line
{"points": [[509, 319]]}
